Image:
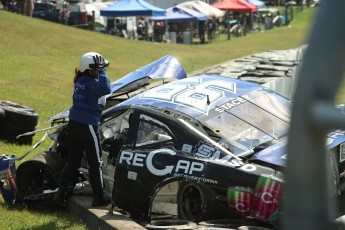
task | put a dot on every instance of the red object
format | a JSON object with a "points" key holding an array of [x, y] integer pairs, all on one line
{"points": [[236, 5], [239, 199], [84, 17], [266, 198]]}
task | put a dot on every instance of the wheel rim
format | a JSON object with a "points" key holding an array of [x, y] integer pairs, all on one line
{"points": [[41, 180], [192, 201]]}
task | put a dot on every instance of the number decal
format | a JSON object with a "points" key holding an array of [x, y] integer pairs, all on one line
{"points": [[196, 95]]}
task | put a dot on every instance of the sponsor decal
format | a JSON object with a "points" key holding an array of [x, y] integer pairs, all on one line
{"points": [[181, 168], [132, 175], [240, 199], [206, 150], [342, 153], [261, 203], [333, 136], [187, 148], [196, 95], [266, 198], [196, 178], [234, 102]]}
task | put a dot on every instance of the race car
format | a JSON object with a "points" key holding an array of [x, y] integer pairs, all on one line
{"points": [[200, 148]]}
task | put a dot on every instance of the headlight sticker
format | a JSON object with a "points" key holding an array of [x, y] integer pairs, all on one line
{"points": [[342, 153]]}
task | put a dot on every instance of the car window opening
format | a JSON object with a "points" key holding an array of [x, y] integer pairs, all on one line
{"points": [[249, 124]]}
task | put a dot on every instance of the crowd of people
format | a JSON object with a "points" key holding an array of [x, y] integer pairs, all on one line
{"points": [[158, 31], [235, 24], [26, 7]]}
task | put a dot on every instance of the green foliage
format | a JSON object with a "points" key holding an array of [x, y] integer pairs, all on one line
{"points": [[37, 62]]}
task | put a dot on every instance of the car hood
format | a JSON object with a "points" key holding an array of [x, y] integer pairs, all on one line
{"points": [[167, 67], [276, 154], [168, 95]]}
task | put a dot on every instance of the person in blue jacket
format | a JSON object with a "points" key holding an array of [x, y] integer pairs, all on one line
{"points": [[91, 86]]}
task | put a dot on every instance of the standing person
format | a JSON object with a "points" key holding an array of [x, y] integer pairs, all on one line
{"points": [[28, 7], [64, 13], [158, 31], [141, 29], [210, 29], [91, 84]]}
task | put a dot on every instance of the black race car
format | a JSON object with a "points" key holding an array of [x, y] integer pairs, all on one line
{"points": [[200, 148]]}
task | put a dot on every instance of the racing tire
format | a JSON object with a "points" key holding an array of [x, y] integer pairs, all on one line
{"points": [[15, 129], [2, 114], [39, 174], [194, 202], [24, 140], [15, 105], [171, 224], [21, 115]]}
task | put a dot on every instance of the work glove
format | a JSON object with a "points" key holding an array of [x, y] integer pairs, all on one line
{"points": [[100, 62]]}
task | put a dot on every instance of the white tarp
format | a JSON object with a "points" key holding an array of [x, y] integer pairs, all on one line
{"points": [[96, 7], [204, 8]]}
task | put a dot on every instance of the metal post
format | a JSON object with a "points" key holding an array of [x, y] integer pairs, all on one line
{"points": [[309, 203]]}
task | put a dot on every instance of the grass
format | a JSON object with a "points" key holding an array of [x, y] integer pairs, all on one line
{"points": [[37, 62]]}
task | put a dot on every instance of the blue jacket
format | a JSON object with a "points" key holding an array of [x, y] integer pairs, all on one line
{"points": [[88, 100]]}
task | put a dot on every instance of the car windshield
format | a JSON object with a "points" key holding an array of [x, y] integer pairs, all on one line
{"points": [[250, 120]]}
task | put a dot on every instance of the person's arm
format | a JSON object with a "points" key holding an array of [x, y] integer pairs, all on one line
{"points": [[102, 86]]}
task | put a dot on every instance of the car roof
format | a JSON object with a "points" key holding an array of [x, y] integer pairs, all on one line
{"points": [[194, 96]]}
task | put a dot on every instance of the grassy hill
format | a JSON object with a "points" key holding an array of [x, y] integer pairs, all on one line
{"points": [[38, 58]]}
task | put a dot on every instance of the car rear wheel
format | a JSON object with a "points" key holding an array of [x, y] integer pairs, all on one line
{"points": [[41, 173], [194, 202]]}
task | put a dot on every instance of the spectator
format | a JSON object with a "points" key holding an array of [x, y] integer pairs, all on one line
{"points": [[64, 13], [91, 85], [12, 5], [4, 4], [211, 26], [157, 34], [141, 29], [201, 31], [28, 7]]}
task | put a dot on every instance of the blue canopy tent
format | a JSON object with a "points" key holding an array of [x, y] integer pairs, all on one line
{"points": [[179, 13], [127, 8]]}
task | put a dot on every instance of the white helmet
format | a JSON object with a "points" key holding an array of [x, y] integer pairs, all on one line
{"points": [[92, 60]]}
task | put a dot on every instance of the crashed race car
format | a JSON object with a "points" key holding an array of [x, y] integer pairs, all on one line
{"points": [[200, 148]]}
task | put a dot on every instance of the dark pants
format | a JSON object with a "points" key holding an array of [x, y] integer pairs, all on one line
{"points": [[83, 137]]}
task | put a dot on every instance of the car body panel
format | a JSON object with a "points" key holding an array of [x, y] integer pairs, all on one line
{"points": [[141, 169], [192, 154]]}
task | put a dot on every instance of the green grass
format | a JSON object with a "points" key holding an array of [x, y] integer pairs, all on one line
{"points": [[37, 62]]}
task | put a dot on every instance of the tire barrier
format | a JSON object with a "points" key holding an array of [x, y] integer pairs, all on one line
{"points": [[16, 119]]}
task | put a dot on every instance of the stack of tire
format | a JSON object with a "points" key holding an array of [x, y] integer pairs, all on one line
{"points": [[16, 119]]}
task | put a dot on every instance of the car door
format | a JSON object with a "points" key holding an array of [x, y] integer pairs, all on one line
{"points": [[141, 164]]}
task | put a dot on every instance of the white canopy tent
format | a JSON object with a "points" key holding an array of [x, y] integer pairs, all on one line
{"points": [[204, 8], [96, 8]]}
